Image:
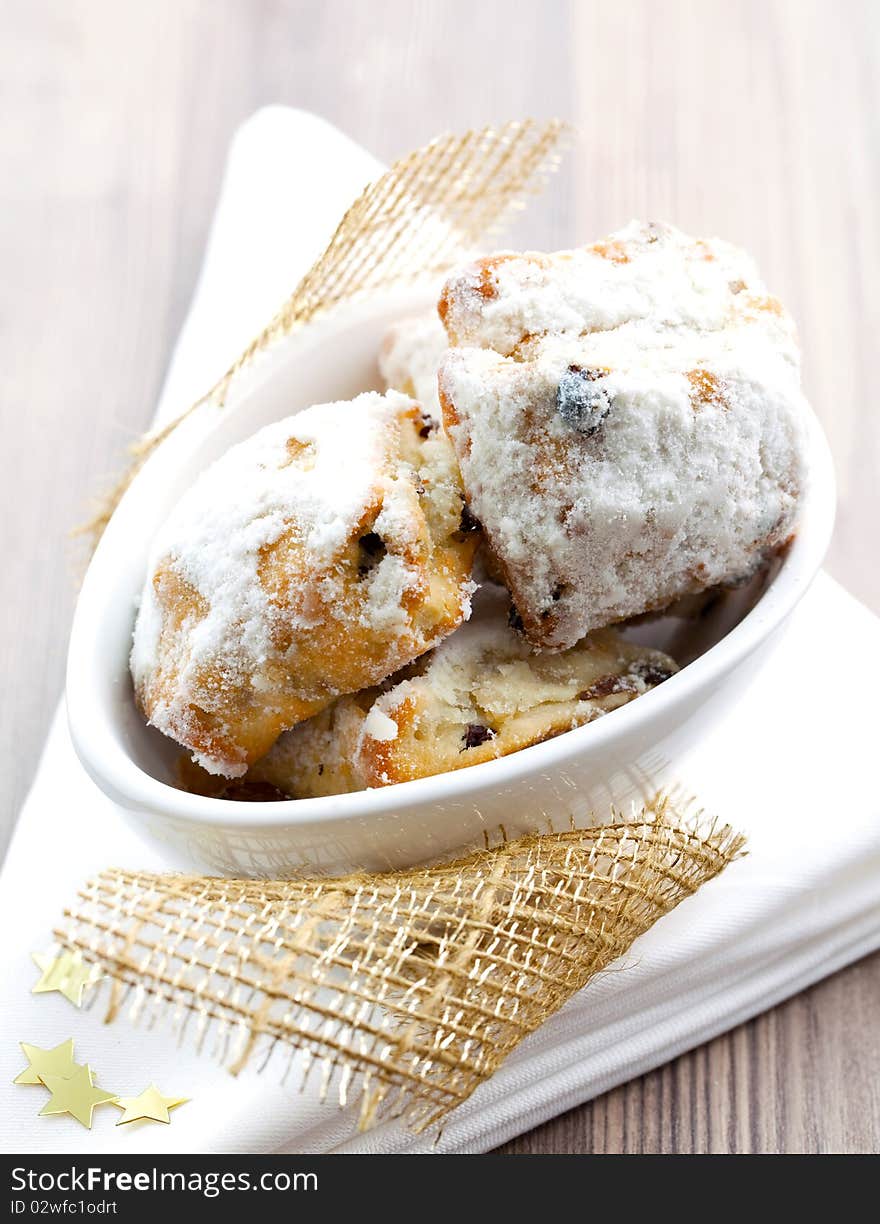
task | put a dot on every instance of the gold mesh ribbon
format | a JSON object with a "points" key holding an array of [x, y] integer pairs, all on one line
{"points": [[408, 989], [426, 214]]}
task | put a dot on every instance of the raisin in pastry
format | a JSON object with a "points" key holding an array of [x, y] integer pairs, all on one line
{"points": [[313, 559], [629, 422]]}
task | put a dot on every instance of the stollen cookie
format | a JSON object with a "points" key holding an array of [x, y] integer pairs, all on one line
{"points": [[479, 695], [313, 559], [629, 423]]}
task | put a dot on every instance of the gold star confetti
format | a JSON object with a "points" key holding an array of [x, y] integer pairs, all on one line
{"points": [[65, 973], [58, 1061], [150, 1105], [76, 1096]]}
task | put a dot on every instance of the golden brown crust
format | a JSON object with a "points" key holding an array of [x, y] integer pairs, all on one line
{"points": [[331, 621], [480, 696]]}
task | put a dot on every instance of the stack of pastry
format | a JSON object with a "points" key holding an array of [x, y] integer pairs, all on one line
{"points": [[586, 436]]}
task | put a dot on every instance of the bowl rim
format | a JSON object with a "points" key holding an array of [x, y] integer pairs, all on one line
{"points": [[113, 769]]}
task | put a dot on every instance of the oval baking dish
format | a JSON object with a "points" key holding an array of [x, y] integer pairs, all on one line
{"points": [[611, 761]]}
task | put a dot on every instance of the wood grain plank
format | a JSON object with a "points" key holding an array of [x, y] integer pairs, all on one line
{"points": [[800, 1078], [756, 119]]}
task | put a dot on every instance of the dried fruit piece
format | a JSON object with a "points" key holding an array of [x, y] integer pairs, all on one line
{"points": [[429, 425], [373, 548], [514, 619], [468, 522], [581, 399], [476, 734], [652, 673]]}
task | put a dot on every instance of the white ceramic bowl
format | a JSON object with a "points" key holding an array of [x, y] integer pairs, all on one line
{"points": [[612, 761]]}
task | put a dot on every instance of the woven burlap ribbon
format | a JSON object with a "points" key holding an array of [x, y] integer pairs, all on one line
{"points": [[408, 989]]}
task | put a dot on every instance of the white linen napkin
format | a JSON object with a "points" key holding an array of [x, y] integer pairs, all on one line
{"points": [[792, 766]]}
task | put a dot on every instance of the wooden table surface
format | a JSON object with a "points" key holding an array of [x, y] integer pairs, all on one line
{"points": [[753, 120]]}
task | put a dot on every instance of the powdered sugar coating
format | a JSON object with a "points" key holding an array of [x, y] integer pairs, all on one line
{"points": [[647, 272], [691, 475], [410, 356], [314, 558]]}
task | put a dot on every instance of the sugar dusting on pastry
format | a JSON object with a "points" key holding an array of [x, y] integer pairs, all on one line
{"points": [[629, 423], [647, 272], [378, 726], [246, 500], [314, 558], [410, 356]]}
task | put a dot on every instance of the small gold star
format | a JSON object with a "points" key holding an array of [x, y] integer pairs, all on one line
{"points": [[76, 1096], [58, 1061], [65, 973], [149, 1105]]}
